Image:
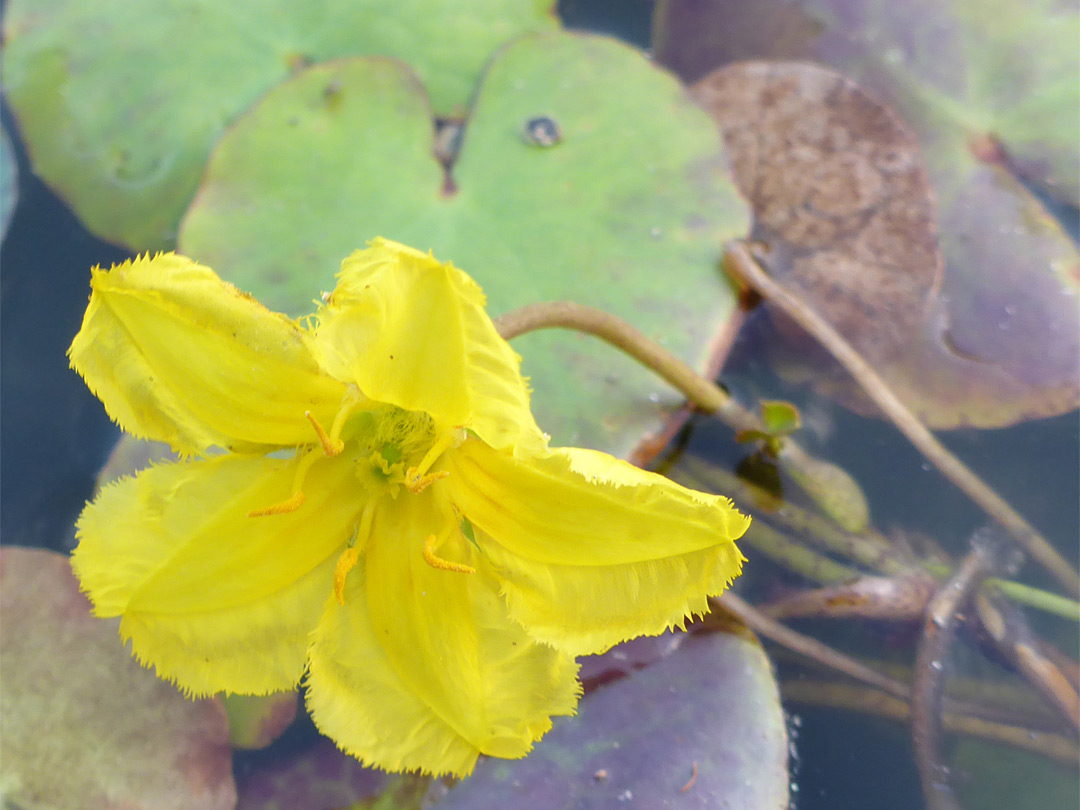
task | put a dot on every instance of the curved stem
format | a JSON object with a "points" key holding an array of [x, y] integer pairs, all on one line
{"points": [[617, 332], [939, 625], [841, 496], [866, 548], [740, 263]]}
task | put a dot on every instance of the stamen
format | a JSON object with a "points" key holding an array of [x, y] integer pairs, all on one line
{"points": [[330, 447], [350, 403], [290, 504], [437, 449], [296, 500], [438, 562], [346, 562], [417, 483], [351, 555]]}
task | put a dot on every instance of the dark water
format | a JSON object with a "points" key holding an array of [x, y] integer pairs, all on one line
{"points": [[54, 436]]}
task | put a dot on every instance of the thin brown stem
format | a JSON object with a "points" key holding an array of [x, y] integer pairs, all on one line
{"points": [[741, 264], [866, 548], [1016, 641], [853, 697], [939, 628], [807, 647]]}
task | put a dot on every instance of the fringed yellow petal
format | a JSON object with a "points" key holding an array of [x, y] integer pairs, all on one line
{"points": [[412, 332], [180, 356], [421, 668], [591, 550], [214, 599], [587, 609]]}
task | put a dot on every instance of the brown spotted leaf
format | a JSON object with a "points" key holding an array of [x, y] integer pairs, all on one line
{"points": [[839, 195], [844, 208]]}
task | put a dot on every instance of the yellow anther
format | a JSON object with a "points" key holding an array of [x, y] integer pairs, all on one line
{"points": [[438, 562], [330, 446], [296, 500], [417, 478], [290, 504], [351, 555], [346, 562], [417, 483]]}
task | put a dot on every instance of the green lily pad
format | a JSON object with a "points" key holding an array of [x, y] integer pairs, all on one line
{"points": [[999, 70], [120, 103], [9, 183], [84, 724], [626, 209], [700, 728]]}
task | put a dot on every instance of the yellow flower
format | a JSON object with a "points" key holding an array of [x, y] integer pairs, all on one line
{"points": [[419, 549]]}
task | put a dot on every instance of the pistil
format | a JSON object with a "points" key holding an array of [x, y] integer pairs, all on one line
{"points": [[417, 478]]}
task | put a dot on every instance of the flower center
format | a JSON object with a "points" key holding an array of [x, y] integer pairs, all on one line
{"points": [[395, 449]]}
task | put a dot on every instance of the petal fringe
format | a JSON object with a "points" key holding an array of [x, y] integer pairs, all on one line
{"points": [[180, 356], [591, 550]]}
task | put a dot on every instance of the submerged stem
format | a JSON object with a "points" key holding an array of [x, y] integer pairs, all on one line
{"points": [[939, 626], [808, 647], [740, 262], [852, 697]]}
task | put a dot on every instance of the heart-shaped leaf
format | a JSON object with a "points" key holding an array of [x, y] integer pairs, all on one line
{"points": [[842, 202], [322, 777], [626, 209], [700, 728], [120, 103], [1000, 70]]}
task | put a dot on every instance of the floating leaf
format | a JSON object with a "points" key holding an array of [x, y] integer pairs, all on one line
{"points": [[75, 703], [700, 728], [626, 211], [120, 103], [842, 204], [839, 193], [986, 69], [322, 777], [622, 659], [780, 418]]}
